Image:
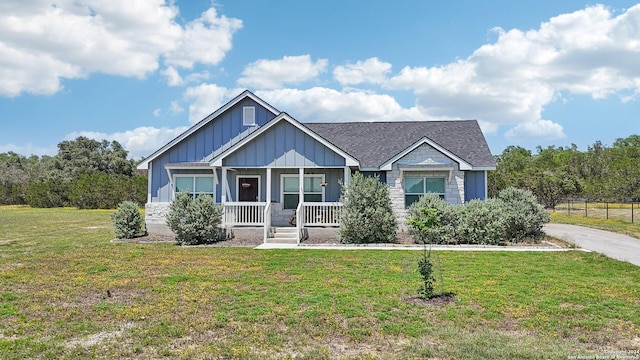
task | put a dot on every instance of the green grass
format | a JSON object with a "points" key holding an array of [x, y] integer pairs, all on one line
{"points": [[615, 225], [66, 291]]}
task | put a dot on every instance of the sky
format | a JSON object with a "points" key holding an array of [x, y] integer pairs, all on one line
{"points": [[533, 73]]}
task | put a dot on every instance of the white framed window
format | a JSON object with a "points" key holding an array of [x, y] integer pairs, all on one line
{"points": [[249, 115], [289, 186], [414, 187], [194, 184]]}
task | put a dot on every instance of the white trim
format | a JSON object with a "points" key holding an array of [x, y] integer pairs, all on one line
{"points": [[484, 168], [194, 176], [301, 187], [249, 176], [463, 165], [149, 178], [349, 160], [144, 164]]}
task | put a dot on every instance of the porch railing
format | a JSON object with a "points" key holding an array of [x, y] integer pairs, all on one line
{"points": [[320, 214], [244, 213]]}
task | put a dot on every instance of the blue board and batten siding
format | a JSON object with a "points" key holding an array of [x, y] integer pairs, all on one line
{"points": [[474, 185], [201, 144], [284, 145]]}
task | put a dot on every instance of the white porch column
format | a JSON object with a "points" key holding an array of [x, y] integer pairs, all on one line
{"points": [[223, 186], [268, 199], [347, 175], [301, 183]]}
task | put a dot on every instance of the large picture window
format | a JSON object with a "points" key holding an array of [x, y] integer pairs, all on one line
{"points": [[414, 187], [195, 185], [312, 190]]}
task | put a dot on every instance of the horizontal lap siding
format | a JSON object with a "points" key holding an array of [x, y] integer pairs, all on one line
{"points": [[201, 144], [284, 145]]}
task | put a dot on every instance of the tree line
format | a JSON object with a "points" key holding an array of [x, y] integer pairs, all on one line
{"points": [[601, 173], [85, 173]]}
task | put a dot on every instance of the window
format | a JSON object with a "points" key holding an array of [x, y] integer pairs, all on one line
{"points": [[195, 185], [313, 190], [248, 115], [414, 187]]}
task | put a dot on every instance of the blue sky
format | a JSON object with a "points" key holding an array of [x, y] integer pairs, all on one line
{"points": [[532, 73]]}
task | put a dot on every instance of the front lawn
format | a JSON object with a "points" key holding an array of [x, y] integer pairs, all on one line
{"points": [[66, 291]]}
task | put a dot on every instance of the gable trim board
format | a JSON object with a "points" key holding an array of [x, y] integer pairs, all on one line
{"points": [[218, 160], [144, 165], [463, 165]]}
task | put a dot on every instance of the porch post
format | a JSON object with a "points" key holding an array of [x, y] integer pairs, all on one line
{"points": [[223, 186], [347, 175], [301, 183], [268, 199]]}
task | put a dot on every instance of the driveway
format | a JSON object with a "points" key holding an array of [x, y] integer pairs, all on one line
{"points": [[615, 246]]}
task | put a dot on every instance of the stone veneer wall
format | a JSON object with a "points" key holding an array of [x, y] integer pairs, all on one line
{"points": [[454, 189], [155, 216]]}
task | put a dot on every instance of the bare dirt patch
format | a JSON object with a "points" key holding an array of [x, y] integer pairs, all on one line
{"points": [[100, 337], [438, 300]]}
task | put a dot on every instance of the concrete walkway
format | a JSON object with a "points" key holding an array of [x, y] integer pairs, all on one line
{"points": [[541, 247], [616, 246]]}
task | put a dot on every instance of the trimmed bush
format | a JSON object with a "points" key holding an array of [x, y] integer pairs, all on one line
{"points": [[127, 221], [432, 220], [481, 222], [195, 221], [366, 215], [524, 216]]}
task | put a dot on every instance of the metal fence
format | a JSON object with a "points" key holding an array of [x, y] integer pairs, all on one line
{"points": [[603, 210]]}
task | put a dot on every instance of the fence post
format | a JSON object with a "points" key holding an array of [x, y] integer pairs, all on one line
{"points": [[632, 212], [585, 209], [568, 207], [607, 206]]}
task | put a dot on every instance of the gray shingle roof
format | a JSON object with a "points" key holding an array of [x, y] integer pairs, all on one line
{"points": [[374, 143]]}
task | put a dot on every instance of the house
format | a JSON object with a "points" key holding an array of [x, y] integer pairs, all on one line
{"points": [[265, 167]]}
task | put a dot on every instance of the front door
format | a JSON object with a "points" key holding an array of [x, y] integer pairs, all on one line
{"points": [[248, 189]]}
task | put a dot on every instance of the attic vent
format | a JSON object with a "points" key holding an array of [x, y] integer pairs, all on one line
{"points": [[248, 115]]}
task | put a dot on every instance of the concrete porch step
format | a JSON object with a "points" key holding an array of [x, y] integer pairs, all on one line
{"points": [[283, 235]]}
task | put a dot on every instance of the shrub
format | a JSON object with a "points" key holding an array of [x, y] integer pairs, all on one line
{"points": [[127, 221], [524, 216], [432, 220], [366, 215], [195, 221], [481, 222]]}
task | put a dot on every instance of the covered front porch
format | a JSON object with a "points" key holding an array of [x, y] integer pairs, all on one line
{"points": [[284, 202]]}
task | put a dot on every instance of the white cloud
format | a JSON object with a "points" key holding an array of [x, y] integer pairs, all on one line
{"points": [[328, 105], [29, 149], [173, 77], [141, 141], [273, 74], [371, 70], [175, 108], [205, 40], [590, 51], [204, 99], [157, 112], [43, 43], [536, 130]]}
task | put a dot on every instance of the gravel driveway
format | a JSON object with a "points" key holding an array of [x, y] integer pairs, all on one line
{"points": [[613, 245]]}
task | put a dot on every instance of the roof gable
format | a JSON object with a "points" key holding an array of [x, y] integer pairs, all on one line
{"points": [[244, 95], [375, 143], [283, 117]]}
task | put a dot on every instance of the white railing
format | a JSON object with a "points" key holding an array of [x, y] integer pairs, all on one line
{"points": [[244, 213], [320, 214], [267, 221], [299, 222]]}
